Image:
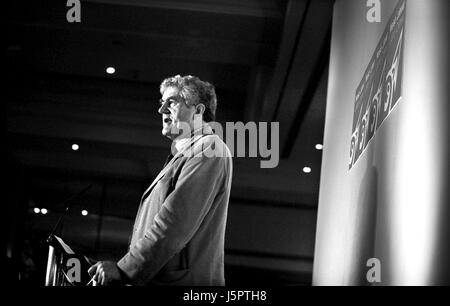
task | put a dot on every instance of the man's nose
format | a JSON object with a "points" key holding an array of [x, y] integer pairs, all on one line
{"points": [[163, 109]]}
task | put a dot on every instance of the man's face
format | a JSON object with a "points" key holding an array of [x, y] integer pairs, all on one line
{"points": [[174, 110]]}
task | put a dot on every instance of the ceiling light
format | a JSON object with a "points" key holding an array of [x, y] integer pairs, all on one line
{"points": [[44, 211], [84, 212], [75, 147], [37, 210], [307, 169], [110, 70], [319, 146]]}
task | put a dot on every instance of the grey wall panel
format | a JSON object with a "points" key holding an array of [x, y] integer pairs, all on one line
{"points": [[393, 203]]}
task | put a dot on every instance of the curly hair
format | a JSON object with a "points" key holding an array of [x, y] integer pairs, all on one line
{"points": [[194, 91]]}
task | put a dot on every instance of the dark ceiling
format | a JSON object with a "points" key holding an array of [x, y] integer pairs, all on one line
{"points": [[268, 60]]}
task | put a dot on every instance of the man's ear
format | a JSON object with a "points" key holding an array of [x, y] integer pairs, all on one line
{"points": [[200, 109]]}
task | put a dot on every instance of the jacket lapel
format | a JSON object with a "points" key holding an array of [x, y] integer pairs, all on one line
{"points": [[206, 131]]}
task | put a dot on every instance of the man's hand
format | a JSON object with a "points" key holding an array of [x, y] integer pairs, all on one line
{"points": [[105, 273]]}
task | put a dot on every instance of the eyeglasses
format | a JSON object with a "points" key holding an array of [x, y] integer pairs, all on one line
{"points": [[172, 102]]}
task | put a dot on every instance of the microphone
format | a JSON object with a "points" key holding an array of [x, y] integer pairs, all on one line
{"points": [[68, 203]]}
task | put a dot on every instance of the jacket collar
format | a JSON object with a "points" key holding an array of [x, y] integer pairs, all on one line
{"points": [[195, 135], [181, 144]]}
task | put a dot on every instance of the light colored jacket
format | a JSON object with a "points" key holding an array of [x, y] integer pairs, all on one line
{"points": [[179, 231]]}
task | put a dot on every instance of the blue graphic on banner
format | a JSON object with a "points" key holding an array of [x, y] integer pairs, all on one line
{"points": [[381, 86]]}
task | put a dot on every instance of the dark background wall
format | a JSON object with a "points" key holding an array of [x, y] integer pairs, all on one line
{"points": [[269, 62]]}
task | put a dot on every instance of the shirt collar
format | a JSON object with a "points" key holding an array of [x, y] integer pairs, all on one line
{"points": [[205, 129]]}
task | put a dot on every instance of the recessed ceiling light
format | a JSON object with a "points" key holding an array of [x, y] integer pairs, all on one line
{"points": [[319, 146], [307, 169], [44, 211], [110, 70], [84, 212], [37, 210], [75, 147]]}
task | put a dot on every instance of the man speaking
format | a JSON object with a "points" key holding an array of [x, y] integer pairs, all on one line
{"points": [[179, 231]]}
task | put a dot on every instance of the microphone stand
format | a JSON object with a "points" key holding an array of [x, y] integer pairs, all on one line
{"points": [[68, 203]]}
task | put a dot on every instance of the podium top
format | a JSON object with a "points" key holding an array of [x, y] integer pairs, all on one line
{"points": [[57, 242], [65, 267]]}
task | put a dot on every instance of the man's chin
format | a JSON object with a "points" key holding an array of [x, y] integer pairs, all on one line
{"points": [[167, 132]]}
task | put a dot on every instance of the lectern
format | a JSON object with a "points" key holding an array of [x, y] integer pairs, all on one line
{"points": [[64, 267]]}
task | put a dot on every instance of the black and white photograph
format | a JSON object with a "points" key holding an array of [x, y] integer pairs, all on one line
{"points": [[220, 148]]}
